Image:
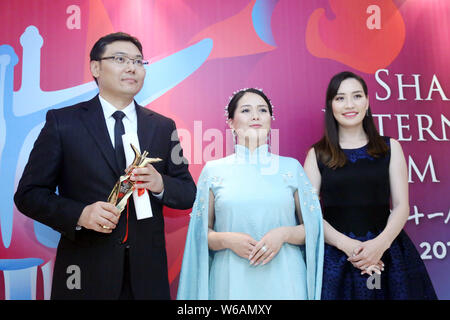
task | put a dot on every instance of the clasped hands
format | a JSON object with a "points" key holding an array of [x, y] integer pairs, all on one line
{"points": [[366, 255], [257, 252], [103, 216]]}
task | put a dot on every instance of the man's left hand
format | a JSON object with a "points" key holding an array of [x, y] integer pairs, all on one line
{"points": [[148, 178]]}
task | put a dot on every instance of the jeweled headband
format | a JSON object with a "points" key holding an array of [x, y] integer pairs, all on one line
{"points": [[245, 89]]}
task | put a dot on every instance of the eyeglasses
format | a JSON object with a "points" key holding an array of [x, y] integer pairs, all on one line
{"points": [[124, 60]]}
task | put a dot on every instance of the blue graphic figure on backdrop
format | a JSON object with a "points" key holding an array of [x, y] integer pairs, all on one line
{"points": [[21, 121]]}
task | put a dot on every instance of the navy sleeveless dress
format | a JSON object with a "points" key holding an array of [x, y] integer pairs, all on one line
{"points": [[356, 201]]}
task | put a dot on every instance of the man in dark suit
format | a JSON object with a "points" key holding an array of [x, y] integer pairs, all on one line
{"points": [[79, 153]]}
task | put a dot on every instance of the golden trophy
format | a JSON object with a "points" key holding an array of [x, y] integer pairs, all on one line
{"points": [[124, 187]]}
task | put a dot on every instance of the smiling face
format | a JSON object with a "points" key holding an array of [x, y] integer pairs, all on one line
{"points": [[350, 103], [251, 120], [118, 82]]}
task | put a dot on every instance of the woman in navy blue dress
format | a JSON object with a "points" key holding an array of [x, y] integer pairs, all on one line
{"points": [[359, 174]]}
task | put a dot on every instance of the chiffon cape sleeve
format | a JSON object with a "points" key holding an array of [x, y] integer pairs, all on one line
{"points": [[313, 250], [194, 275]]}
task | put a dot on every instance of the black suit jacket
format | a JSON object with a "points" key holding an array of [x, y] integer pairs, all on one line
{"points": [[72, 165]]}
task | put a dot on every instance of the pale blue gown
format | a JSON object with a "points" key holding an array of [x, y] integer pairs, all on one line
{"points": [[254, 193]]}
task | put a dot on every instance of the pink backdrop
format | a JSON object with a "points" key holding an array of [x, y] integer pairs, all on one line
{"points": [[202, 51]]}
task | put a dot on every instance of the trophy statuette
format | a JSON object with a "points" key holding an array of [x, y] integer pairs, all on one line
{"points": [[124, 187]]}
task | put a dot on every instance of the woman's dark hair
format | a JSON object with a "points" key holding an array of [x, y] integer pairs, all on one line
{"points": [[99, 47], [327, 149], [232, 105]]}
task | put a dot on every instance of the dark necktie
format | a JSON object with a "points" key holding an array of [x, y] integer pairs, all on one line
{"points": [[119, 130]]}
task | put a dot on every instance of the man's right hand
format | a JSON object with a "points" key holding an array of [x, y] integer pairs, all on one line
{"points": [[99, 216]]}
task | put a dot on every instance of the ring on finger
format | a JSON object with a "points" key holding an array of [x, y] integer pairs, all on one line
{"points": [[106, 227], [264, 249]]}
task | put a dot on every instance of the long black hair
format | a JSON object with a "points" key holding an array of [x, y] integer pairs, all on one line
{"points": [[328, 150]]}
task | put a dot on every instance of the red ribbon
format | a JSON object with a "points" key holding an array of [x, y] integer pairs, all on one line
{"points": [[140, 191], [126, 233]]}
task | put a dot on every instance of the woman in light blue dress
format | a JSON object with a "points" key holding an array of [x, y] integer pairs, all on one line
{"points": [[256, 227]]}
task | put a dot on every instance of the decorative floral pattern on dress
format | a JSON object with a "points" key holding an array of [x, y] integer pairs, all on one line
{"points": [[216, 180], [199, 202], [354, 155], [200, 206], [287, 176], [404, 273]]}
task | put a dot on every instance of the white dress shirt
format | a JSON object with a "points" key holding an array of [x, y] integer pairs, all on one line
{"points": [[129, 123]]}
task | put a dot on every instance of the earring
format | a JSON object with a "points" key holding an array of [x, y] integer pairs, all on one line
{"points": [[234, 136]]}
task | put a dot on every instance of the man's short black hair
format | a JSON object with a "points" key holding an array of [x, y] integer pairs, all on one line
{"points": [[99, 47]]}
